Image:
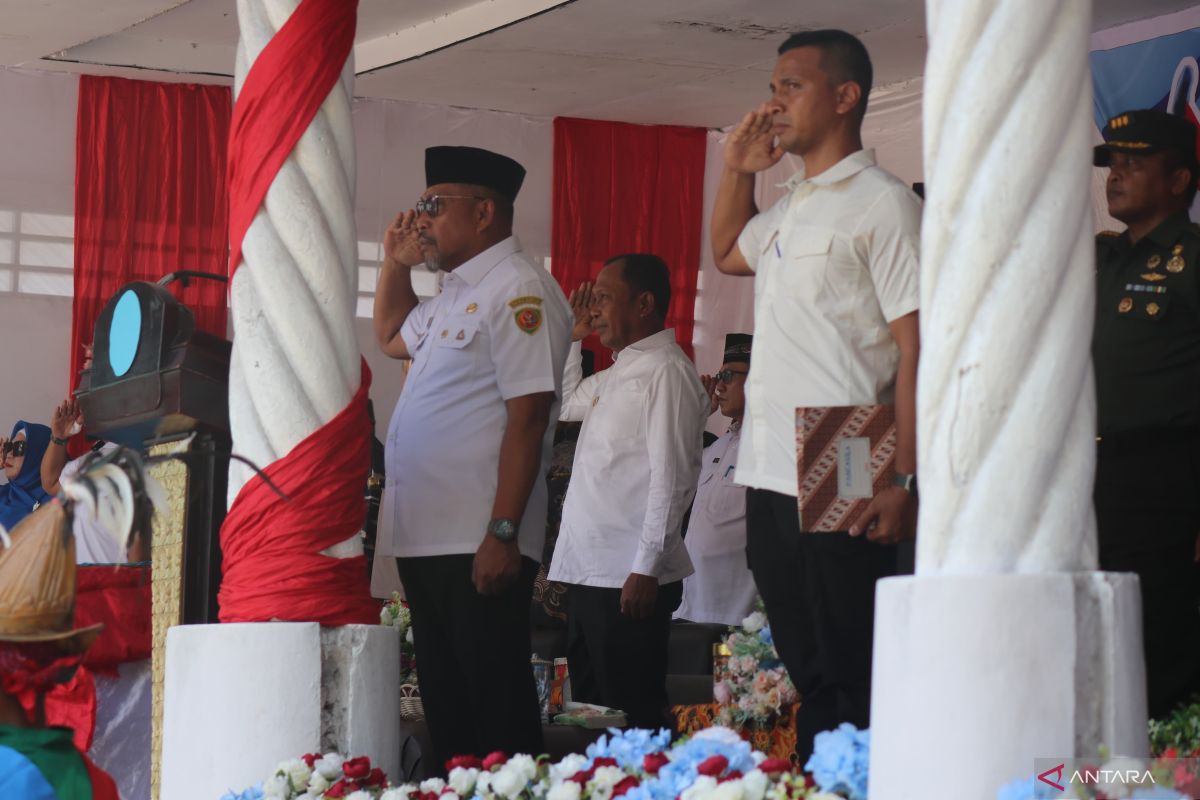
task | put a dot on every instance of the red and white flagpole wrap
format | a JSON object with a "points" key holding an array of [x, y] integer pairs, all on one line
{"points": [[297, 383]]}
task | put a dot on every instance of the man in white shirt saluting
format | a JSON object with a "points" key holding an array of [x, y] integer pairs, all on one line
{"points": [[836, 298], [468, 446], [636, 463]]}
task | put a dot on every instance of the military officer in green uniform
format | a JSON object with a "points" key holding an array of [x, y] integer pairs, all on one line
{"points": [[1146, 350]]}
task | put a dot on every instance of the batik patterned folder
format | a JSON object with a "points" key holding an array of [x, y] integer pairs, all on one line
{"points": [[845, 455]]}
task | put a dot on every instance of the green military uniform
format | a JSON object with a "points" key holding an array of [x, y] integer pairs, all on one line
{"points": [[1146, 353]]}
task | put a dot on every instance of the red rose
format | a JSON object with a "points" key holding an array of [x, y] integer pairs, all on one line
{"points": [[624, 786], [356, 768], [339, 789], [809, 782], [603, 761], [712, 766], [429, 796], [774, 766], [466, 762], [583, 776], [733, 776], [375, 778], [653, 762], [310, 758], [493, 760]]}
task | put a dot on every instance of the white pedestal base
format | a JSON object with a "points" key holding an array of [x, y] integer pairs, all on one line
{"points": [[240, 698], [977, 676]]}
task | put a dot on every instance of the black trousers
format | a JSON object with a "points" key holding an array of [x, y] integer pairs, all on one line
{"points": [[473, 654], [819, 592], [617, 661], [1148, 514]]}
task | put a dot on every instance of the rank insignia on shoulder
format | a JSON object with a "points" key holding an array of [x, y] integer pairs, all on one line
{"points": [[528, 300], [1153, 261], [529, 320], [1176, 264], [1125, 306]]}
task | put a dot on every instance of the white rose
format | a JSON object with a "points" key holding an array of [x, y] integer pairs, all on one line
{"points": [[329, 765], [483, 784], [408, 636], [702, 789], [449, 795], [462, 780], [359, 795], [755, 622], [568, 767], [298, 772], [385, 616], [508, 782], [433, 785], [525, 765], [318, 783], [720, 734], [729, 790], [755, 783], [277, 787], [607, 777], [394, 794], [567, 790]]}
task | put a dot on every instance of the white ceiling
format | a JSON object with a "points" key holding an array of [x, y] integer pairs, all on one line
{"points": [[688, 62]]}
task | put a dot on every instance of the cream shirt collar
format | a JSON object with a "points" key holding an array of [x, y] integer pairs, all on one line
{"points": [[474, 269], [848, 167], [652, 342]]}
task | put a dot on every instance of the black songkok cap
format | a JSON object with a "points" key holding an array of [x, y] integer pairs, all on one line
{"points": [[737, 348], [1146, 131], [474, 166]]}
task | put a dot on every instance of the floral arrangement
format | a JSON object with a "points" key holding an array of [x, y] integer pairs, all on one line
{"points": [[840, 761], [635, 764], [753, 686], [1179, 731], [322, 777], [395, 614]]}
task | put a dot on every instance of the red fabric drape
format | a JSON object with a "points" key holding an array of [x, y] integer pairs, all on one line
{"points": [[118, 597], [272, 567], [621, 188], [149, 196], [282, 92]]}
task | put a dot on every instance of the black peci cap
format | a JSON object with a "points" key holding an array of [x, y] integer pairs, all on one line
{"points": [[737, 348], [475, 166]]}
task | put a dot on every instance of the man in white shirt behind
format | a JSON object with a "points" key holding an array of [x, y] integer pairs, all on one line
{"points": [[619, 547], [722, 590]]}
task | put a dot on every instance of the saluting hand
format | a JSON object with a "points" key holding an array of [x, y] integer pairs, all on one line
{"points": [[751, 147], [400, 243], [709, 382], [581, 301]]}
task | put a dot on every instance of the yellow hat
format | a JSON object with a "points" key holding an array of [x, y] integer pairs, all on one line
{"points": [[37, 583]]}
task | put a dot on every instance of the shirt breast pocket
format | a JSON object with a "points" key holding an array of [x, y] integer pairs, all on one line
{"points": [[806, 260], [724, 501], [617, 414], [458, 343]]}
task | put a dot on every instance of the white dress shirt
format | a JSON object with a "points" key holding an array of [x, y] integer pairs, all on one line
{"points": [[721, 590], [835, 261], [635, 468], [499, 329]]}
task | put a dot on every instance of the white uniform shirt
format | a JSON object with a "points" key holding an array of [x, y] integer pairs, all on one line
{"points": [[835, 261], [635, 468], [94, 544], [499, 329], [721, 590]]}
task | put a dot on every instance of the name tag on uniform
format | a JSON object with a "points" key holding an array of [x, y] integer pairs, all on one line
{"points": [[854, 468]]}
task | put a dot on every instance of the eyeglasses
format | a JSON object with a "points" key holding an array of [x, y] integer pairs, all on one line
{"points": [[17, 448], [726, 375], [432, 205]]}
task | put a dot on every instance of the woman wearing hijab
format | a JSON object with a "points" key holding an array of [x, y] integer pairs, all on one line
{"points": [[22, 460]]}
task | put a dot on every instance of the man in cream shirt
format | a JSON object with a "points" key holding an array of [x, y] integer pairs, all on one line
{"points": [[636, 463]]}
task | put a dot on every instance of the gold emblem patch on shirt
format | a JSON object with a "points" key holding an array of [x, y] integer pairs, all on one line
{"points": [[1126, 305], [1154, 276], [527, 300], [472, 308], [529, 319], [1152, 309], [1175, 264], [1153, 261]]}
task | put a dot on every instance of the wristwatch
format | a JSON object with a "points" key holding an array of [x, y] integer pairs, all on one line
{"points": [[503, 529], [58, 441], [906, 482]]}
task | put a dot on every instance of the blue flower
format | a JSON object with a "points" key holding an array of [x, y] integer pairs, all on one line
{"points": [[253, 793], [630, 746], [840, 761], [1022, 789], [765, 635]]}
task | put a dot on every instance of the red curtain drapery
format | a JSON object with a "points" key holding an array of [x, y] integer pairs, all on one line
{"points": [[622, 188], [149, 196]]}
